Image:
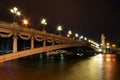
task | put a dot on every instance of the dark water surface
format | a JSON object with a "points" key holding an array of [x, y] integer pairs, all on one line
{"points": [[99, 67]]}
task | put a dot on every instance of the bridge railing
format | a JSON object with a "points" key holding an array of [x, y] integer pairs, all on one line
{"points": [[14, 30]]}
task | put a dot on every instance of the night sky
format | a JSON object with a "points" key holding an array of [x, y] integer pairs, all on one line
{"points": [[89, 18]]}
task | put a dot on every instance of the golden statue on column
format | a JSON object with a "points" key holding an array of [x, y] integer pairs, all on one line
{"points": [[103, 43]]}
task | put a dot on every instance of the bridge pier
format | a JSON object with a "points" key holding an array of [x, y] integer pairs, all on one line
{"points": [[32, 42], [44, 42], [15, 42]]}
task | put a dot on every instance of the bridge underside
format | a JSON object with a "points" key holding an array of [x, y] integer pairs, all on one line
{"points": [[29, 52]]}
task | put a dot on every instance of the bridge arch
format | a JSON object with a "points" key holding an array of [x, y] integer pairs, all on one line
{"points": [[49, 41]]}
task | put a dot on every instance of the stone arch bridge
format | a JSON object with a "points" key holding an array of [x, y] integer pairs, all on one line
{"points": [[48, 41]]}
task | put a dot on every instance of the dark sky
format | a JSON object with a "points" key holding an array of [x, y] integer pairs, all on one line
{"points": [[86, 17]]}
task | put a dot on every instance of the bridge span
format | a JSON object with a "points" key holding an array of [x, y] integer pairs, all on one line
{"points": [[48, 41]]}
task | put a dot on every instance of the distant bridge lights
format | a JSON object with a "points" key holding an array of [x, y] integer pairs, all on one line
{"points": [[16, 12], [44, 23], [59, 28], [69, 33], [85, 39], [113, 46], [80, 38], [76, 35]]}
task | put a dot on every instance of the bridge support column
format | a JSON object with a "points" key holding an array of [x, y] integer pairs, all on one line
{"points": [[15, 42], [44, 42], [32, 42], [53, 43]]}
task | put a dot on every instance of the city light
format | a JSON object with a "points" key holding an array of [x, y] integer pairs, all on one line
{"points": [[25, 22], [85, 38], [15, 11], [70, 32], [76, 35], [81, 37], [44, 23], [107, 45], [113, 46], [59, 28]]}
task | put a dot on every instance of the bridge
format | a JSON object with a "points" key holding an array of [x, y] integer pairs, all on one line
{"points": [[45, 41]]}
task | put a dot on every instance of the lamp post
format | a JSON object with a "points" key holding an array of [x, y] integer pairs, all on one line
{"points": [[16, 12], [69, 33], [59, 28], [76, 36], [44, 23], [81, 38]]}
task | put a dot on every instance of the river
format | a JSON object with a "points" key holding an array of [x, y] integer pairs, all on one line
{"points": [[98, 67]]}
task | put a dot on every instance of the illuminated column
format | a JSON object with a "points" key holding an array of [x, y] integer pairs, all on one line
{"points": [[15, 42], [103, 43], [32, 42]]}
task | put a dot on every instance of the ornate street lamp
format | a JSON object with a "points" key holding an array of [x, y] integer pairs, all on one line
{"points": [[16, 12], [44, 23], [59, 28]]}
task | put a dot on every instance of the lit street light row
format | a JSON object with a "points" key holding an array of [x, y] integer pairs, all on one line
{"points": [[43, 22], [25, 22]]}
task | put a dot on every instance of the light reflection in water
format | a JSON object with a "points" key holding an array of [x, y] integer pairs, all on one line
{"points": [[109, 66], [99, 58], [99, 67]]}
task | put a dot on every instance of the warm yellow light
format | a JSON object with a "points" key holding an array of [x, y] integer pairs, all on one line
{"points": [[15, 11], [113, 45], [81, 37], [11, 10], [43, 21], [76, 35], [59, 28], [89, 40], [70, 32], [85, 38], [68, 35], [25, 21], [18, 13], [107, 44]]}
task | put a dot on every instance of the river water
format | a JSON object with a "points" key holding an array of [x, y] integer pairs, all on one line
{"points": [[98, 67]]}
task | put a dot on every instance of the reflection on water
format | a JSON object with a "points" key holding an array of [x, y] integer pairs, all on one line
{"points": [[99, 67]]}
